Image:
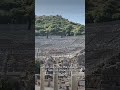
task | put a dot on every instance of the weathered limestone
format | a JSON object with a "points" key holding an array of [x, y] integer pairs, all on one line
{"points": [[74, 83], [55, 81], [42, 78]]}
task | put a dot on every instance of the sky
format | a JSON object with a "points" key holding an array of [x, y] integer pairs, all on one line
{"points": [[73, 10]]}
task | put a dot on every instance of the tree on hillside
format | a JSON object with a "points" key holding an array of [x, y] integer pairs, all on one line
{"points": [[48, 29], [68, 29], [82, 29]]}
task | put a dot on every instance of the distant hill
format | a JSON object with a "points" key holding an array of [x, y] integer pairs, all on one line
{"points": [[57, 25]]}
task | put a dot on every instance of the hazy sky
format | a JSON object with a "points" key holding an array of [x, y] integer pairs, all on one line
{"points": [[74, 10]]}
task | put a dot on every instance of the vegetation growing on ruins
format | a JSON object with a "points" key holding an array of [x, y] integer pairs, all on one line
{"points": [[57, 25]]}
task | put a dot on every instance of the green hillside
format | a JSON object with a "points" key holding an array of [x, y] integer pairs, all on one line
{"points": [[57, 25]]}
